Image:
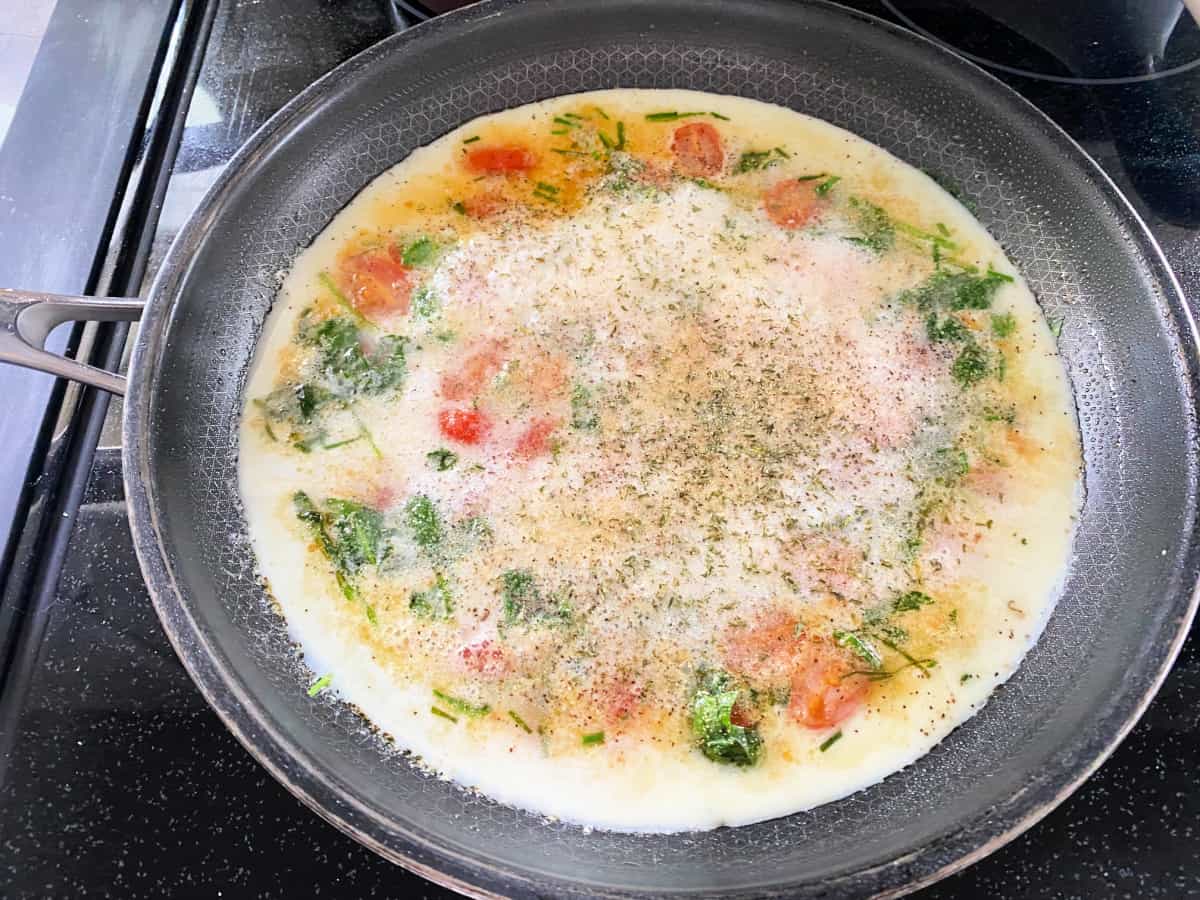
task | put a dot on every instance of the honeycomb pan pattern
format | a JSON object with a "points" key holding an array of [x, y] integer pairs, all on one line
{"points": [[1127, 342]]}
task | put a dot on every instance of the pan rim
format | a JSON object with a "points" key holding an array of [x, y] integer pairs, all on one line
{"points": [[237, 708]]}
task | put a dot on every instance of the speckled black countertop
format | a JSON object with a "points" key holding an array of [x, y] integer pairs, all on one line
{"points": [[121, 782]]}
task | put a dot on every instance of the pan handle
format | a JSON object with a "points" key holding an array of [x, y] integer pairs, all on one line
{"points": [[27, 318]]}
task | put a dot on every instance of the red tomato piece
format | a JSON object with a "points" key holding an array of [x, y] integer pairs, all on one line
{"points": [[824, 692], [792, 203], [535, 440], [482, 363], [698, 151], [501, 160], [766, 651], [484, 206], [466, 426], [484, 658], [377, 282], [619, 698]]}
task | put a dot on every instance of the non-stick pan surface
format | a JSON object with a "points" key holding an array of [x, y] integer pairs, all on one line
{"points": [[1127, 339]]}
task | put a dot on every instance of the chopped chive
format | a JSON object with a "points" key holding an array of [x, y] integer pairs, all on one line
{"points": [[443, 714], [575, 116], [567, 123], [511, 714], [596, 737], [810, 177], [366, 435], [371, 617], [670, 116], [549, 188], [459, 207], [827, 185], [337, 444], [943, 230], [925, 235], [620, 135], [472, 139], [608, 142], [559, 131], [602, 113], [341, 298], [262, 407], [319, 685], [1056, 325], [831, 740], [563, 152], [717, 115], [783, 153], [462, 706], [1000, 276]]}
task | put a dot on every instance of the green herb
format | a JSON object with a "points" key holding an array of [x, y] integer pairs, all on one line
{"points": [[511, 714], [911, 600], [425, 302], [443, 714], [876, 231], [971, 365], [346, 370], [827, 185], [1007, 416], [459, 207], [559, 131], [718, 738], [583, 413], [781, 152], [752, 160], [341, 298], [434, 602], [938, 240], [1003, 325], [547, 188], [461, 706], [948, 329], [601, 113], [442, 460], [575, 116], [296, 406], [810, 177], [965, 678], [1056, 325], [620, 136], [591, 740], [546, 192], [423, 521], [350, 534], [565, 122], [717, 115], [955, 290], [471, 139], [319, 685], [420, 252], [950, 464], [859, 645], [831, 740], [670, 116], [524, 600]]}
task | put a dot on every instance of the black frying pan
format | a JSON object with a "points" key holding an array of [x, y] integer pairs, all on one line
{"points": [[1130, 349]]}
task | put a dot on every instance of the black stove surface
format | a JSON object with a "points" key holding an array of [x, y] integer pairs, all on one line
{"points": [[116, 779]]}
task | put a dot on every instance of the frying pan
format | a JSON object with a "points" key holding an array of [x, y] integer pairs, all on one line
{"points": [[1128, 342]]}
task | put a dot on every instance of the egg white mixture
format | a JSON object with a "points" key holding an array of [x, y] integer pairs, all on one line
{"points": [[659, 460]]}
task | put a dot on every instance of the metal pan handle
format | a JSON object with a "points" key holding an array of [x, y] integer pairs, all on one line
{"points": [[27, 318]]}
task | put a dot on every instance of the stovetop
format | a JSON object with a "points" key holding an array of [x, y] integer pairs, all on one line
{"points": [[116, 779]]}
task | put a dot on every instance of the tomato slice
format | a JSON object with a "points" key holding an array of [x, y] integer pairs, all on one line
{"points": [[501, 160], [535, 440], [698, 151], [466, 426], [468, 380], [377, 282], [824, 692], [792, 203]]}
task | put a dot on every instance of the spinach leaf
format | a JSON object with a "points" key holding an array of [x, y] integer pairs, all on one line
{"points": [[946, 290], [948, 329], [424, 522], [876, 231], [718, 738], [970, 366], [525, 602], [434, 602], [420, 252], [350, 535], [344, 365]]}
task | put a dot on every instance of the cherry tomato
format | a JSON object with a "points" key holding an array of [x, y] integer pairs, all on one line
{"points": [[466, 426], [535, 440], [484, 658], [484, 361], [697, 149], [377, 282], [824, 692], [500, 160], [792, 203]]}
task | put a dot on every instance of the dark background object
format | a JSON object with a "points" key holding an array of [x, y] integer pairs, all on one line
{"points": [[126, 784]]}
